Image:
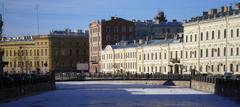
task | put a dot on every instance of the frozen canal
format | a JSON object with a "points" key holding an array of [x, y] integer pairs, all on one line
{"points": [[115, 94]]}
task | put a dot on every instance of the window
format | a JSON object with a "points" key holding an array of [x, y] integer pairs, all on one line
{"points": [[186, 38], [219, 34], [212, 35], [201, 36], [186, 54], [237, 51], [30, 52], [218, 51], [195, 37], [131, 29], [152, 56], [115, 29], [224, 51], [206, 52], [144, 57], [212, 68], [46, 52], [231, 33], [212, 52], [231, 51], [231, 67], [190, 38], [237, 32], [195, 53], [165, 56], [148, 57], [181, 54], [155, 56], [225, 33], [160, 56], [206, 35], [123, 29], [77, 52], [70, 52], [176, 53], [237, 69], [201, 53]]}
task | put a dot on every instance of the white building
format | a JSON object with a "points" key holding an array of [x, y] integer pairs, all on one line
{"points": [[210, 45], [214, 40], [119, 58]]}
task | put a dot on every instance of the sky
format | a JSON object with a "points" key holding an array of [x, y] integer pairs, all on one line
{"points": [[20, 16]]}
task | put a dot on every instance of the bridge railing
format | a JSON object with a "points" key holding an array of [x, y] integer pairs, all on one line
{"points": [[205, 79]]}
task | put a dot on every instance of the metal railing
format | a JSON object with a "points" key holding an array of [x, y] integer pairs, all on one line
{"points": [[64, 76]]}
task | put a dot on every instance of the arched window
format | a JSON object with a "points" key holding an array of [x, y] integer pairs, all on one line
{"points": [[212, 35]]}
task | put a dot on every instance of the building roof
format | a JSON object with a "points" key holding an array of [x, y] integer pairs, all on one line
{"points": [[160, 42], [146, 44]]}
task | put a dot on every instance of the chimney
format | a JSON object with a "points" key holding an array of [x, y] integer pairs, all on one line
{"points": [[146, 38], [112, 18], [229, 8], [205, 13], [134, 42], [226, 9], [140, 41], [212, 12], [222, 9]]}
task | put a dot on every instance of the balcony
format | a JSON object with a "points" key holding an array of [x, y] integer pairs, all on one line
{"points": [[175, 60], [93, 62]]}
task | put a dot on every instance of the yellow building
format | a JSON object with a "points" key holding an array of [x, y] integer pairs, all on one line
{"points": [[44, 53]]}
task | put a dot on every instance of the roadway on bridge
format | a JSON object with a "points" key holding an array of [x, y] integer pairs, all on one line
{"points": [[120, 94]]}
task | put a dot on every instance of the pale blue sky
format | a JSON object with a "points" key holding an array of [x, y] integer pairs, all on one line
{"points": [[20, 15]]}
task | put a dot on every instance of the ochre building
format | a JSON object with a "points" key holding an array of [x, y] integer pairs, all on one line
{"points": [[45, 53]]}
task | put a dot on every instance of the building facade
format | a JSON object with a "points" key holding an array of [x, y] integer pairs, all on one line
{"points": [[210, 45], [45, 53], [155, 56], [214, 40], [107, 32]]}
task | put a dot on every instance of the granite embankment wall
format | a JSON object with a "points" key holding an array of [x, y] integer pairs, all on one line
{"points": [[224, 87], [26, 90], [203, 86]]}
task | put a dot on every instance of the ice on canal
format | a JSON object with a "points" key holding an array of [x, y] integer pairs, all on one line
{"points": [[120, 94]]}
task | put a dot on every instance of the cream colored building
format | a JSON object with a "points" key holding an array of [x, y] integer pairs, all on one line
{"points": [[149, 57], [213, 40], [119, 59], [210, 45]]}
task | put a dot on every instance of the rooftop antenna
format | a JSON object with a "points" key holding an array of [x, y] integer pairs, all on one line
{"points": [[37, 8]]}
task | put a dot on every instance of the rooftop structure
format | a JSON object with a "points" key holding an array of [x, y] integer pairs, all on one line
{"points": [[159, 28], [214, 13], [67, 31]]}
